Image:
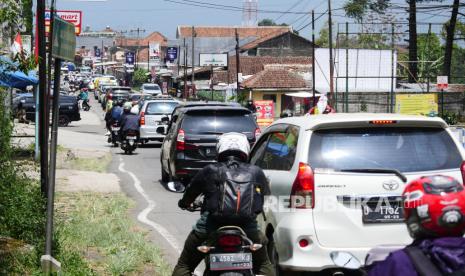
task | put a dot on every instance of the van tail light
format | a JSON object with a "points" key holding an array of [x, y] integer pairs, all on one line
{"points": [[303, 189], [142, 118], [258, 132], [180, 140], [462, 169]]}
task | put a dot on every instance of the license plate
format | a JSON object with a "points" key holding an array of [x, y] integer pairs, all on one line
{"points": [[131, 137], [233, 261], [391, 212], [115, 128], [210, 151]]}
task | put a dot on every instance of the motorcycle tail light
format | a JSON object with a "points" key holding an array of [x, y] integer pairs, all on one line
{"points": [[229, 241]]}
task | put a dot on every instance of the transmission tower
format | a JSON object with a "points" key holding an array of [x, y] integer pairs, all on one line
{"points": [[250, 13]]}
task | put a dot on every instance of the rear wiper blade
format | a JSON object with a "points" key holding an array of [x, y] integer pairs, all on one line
{"points": [[213, 132], [393, 171]]}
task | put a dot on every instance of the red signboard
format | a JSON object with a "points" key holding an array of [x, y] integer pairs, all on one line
{"points": [[74, 17], [265, 112]]}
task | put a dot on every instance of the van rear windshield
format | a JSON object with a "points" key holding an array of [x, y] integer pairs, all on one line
{"points": [[404, 149], [218, 123]]}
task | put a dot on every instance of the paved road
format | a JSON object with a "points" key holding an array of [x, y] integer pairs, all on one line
{"points": [[140, 176]]}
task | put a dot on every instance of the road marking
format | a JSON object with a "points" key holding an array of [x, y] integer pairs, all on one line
{"points": [[142, 216]]}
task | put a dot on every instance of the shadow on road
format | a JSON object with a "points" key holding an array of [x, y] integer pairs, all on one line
{"points": [[151, 146]]}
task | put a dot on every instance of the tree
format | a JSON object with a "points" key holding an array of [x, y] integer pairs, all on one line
{"points": [[450, 30], [27, 15], [271, 22], [412, 41], [430, 56]]}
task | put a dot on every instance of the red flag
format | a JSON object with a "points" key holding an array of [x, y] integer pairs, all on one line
{"points": [[36, 42], [17, 46]]}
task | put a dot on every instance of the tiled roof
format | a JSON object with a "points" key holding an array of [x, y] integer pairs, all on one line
{"points": [[275, 78], [251, 65], [155, 37], [215, 31]]}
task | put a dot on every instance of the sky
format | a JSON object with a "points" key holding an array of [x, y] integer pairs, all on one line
{"points": [[165, 15]]}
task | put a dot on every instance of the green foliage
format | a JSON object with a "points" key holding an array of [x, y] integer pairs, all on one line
{"points": [[271, 22], [207, 95], [27, 15], [140, 77], [429, 49], [22, 207], [451, 118], [357, 9]]}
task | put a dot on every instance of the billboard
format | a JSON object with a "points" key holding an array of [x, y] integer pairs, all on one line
{"points": [[130, 57], [220, 60], [265, 112], [172, 53], [417, 104], [369, 70], [154, 51], [74, 17]]}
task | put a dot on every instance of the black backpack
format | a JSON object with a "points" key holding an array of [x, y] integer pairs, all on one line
{"points": [[424, 266], [239, 199]]}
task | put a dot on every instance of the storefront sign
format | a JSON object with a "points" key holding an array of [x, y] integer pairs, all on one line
{"points": [[417, 104], [172, 53], [220, 60], [130, 57], [73, 17], [265, 112]]}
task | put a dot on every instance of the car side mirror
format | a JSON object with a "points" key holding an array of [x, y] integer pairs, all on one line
{"points": [[161, 130]]}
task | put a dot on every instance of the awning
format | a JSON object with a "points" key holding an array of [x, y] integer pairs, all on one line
{"points": [[303, 94], [15, 79]]}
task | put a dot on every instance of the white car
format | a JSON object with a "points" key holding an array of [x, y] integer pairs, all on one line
{"points": [[328, 173], [151, 115], [151, 89]]}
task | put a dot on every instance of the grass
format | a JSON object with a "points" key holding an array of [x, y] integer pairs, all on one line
{"points": [[98, 226], [99, 164]]}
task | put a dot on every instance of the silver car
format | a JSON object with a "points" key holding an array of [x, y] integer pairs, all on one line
{"points": [[151, 115]]}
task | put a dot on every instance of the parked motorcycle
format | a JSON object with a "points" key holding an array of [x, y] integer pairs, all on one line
{"points": [[129, 142]]}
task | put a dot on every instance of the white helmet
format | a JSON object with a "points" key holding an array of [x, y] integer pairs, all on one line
{"points": [[233, 144], [135, 110]]}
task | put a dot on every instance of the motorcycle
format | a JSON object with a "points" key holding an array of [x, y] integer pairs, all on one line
{"points": [[129, 142], [85, 105], [114, 135], [229, 251]]}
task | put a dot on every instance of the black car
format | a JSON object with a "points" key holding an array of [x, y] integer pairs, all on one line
{"points": [[68, 112], [192, 133]]}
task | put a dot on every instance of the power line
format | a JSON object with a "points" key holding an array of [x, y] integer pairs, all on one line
{"points": [[293, 6]]}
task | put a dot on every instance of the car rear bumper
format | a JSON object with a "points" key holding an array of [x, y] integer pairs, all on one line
{"points": [[187, 169], [315, 257], [150, 133]]}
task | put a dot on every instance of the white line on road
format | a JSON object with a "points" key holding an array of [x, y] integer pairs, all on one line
{"points": [[142, 217]]}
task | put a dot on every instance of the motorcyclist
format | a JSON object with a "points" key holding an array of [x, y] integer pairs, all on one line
{"points": [[251, 106], [84, 96], [130, 122], [126, 110], [233, 150], [434, 210], [114, 114]]}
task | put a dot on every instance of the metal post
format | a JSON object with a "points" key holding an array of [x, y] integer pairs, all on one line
{"points": [[393, 66], [43, 114], [313, 58], [331, 65], [53, 153], [238, 89], [193, 61], [211, 81], [347, 69], [148, 57], [179, 58], [442, 101], [36, 125], [428, 64], [185, 69]]}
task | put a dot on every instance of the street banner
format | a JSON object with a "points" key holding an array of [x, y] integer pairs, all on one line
{"points": [[165, 88], [219, 60], [154, 49], [417, 104], [97, 52], [73, 17], [64, 40], [265, 112], [172, 53], [130, 57], [17, 46]]}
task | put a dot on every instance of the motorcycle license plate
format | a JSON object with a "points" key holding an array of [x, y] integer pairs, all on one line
{"points": [[384, 213], [131, 137], [115, 128], [233, 261], [210, 152]]}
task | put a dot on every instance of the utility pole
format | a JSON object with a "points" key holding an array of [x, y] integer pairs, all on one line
{"points": [[193, 61], [43, 101], [138, 30], [238, 89], [121, 38], [331, 64], [185, 69], [313, 58]]}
